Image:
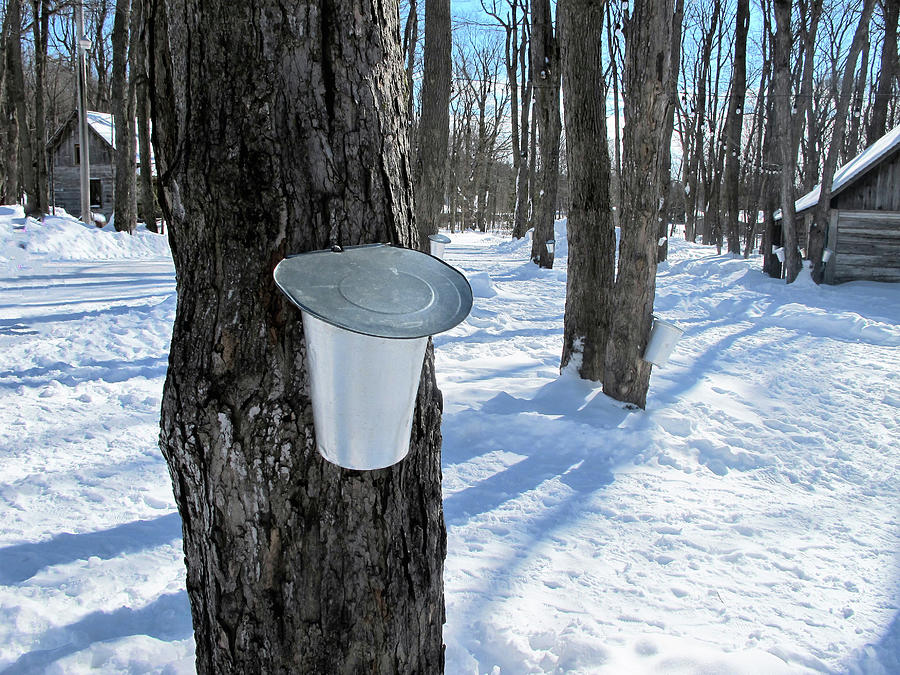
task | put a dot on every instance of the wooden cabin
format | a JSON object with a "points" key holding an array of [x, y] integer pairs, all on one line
{"points": [[864, 229], [64, 151]]}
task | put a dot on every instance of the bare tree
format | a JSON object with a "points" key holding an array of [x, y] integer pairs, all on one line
{"points": [[293, 564], [591, 234], [784, 135], [734, 126], [123, 108], [887, 74], [15, 87], [648, 40], [545, 72], [434, 124]]}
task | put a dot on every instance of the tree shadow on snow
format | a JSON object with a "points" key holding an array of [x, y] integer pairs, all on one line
{"points": [[22, 561], [883, 657], [568, 401], [167, 618]]}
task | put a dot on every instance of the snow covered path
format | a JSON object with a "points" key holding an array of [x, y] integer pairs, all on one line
{"points": [[747, 522], [753, 508]]}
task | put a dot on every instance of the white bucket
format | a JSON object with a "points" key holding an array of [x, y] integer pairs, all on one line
{"points": [[826, 255], [358, 382], [663, 337], [779, 253], [437, 244]]}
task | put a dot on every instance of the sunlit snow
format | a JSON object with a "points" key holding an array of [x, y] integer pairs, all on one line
{"points": [[747, 522]]}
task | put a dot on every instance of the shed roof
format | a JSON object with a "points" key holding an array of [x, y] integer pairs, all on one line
{"points": [[101, 124], [852, 170]]}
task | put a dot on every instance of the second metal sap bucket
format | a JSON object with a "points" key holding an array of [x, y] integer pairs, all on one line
{"points": [[663, 336], [437, 243], [367, 313]]}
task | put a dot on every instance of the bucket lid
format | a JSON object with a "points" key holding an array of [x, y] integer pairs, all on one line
{"points": [[377, 290], [439, 238]]}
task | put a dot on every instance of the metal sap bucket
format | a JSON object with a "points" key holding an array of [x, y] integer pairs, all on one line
{"points": [[826, 255], [367, 313], [779, 253], [663, 337], [438, 242], [550, 244]]}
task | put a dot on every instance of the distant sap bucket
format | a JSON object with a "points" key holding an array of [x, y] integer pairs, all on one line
{"points": [[438, 243], [779, 253], [367, 313], [663, 337], [551, 246], [826, 255]]}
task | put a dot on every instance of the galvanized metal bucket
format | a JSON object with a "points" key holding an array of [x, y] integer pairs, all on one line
{"points": [[551, 246], [826, 255], [367, 313], [663, 337], [779, 253], [438, 242], [363, 393]]}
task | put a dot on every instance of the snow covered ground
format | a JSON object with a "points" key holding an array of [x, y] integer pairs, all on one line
{"points": [[747, 522]]}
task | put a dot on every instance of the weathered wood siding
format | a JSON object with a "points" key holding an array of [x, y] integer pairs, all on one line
{"points": [[67, 174], [876, 190], [866, 246]]}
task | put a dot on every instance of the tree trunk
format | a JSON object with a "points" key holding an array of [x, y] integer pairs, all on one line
{"points": [[293, 564], [888, 73], [16, 91], [40, 29], [822, 211], [545, 72], [592, 236], [434, 123], [526, 162], [735, 126], [648, 53], [662, 248], [783, 100], [138, 66], [122, 100]]}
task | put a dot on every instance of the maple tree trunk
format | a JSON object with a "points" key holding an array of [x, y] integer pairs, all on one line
{"points": [[592, 237], [648, 53], [286, 132]]}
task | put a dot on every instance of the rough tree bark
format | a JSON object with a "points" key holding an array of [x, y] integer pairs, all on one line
{"points": [[735, 125], [822, 211], [784, 135], [40, 29], [592, 236], [526, 156], [15, 84], [123, 108], [138, 65], [648, 52], [434, 122], [662, 249], [545, 73], [284, 130], [890, 64]]}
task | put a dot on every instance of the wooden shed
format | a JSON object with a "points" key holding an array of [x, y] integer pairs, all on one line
{"points": [[64, 151], [864, 229]]}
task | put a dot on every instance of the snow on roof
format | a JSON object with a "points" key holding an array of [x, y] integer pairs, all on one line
{"points": [[103, 125], [852, 169]]}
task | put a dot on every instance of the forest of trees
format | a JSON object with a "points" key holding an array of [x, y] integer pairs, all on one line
{"points": [[725, 153], [288, 126]]}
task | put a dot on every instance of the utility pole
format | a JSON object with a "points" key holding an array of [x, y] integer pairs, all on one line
{"points": [[82, 46]]}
